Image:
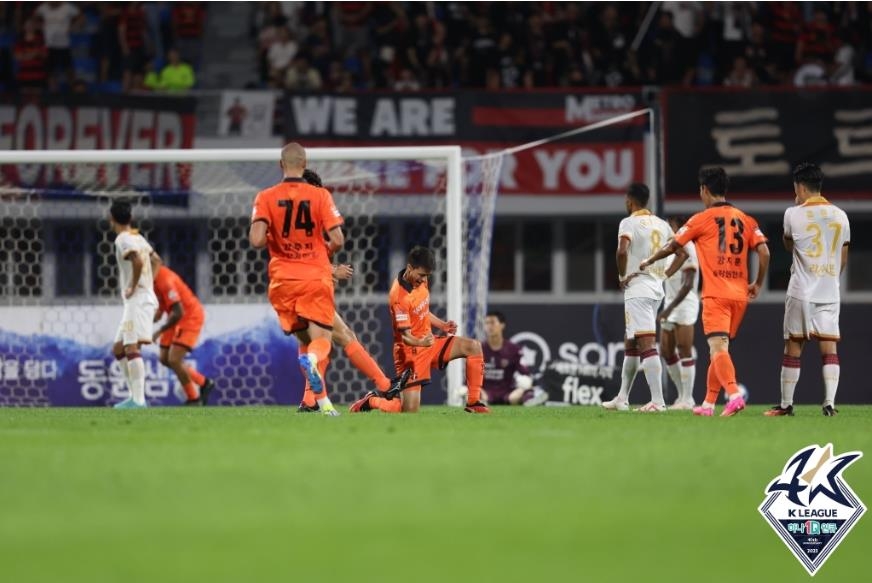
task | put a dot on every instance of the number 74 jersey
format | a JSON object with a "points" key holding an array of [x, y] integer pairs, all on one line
{"points": [[723, 236], [646, 233], [297, 215], [819, 231]]}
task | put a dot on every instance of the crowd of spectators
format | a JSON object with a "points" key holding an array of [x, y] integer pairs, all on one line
{"points": [[99, 46], [344, 46]]}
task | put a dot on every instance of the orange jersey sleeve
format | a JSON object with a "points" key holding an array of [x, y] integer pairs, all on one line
{"points": [[723, 236], [297, 215]]}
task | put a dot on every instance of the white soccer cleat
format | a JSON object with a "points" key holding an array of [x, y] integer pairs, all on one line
{"points": [[616, 405], [651, 407]]}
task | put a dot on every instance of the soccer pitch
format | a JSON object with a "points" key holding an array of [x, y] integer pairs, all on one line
{"points": [[545, 494]]}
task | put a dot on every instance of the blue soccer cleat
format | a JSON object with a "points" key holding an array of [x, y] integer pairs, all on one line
{"points": [[129, 403], [309, 362]]}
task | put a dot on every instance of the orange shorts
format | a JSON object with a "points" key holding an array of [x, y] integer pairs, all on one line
{"points": [[422, 359], [299, 301], [721, 316], [184, 333]]}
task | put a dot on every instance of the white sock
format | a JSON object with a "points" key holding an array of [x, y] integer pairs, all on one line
{"points": [[324, 402], [675, 374], [688, 378], [654, 375], [136, 380], [832, 370], [124, 370], [789, 377], [628, 375]]}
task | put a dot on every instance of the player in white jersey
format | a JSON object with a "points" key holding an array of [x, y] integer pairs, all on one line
{"points": [[817, 233], [136, 283], [680, 312], [639, 235]]}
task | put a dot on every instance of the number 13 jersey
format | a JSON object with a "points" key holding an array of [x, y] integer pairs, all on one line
{"points": [[297, 215], [646, 233], [723, 236]]}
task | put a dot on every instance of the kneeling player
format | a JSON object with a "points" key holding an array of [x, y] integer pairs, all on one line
{"points": [[415, 346], [178, 335]]}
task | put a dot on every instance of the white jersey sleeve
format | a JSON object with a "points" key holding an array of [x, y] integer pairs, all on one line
{"points": [[819, 230]]}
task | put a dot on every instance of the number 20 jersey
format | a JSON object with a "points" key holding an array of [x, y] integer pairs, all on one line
{"points": [[297, 215], [723, 236], [647, 233], [819, 231]]}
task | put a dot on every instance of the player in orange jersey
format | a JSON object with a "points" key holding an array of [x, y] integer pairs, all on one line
{"points": [[179, 333], [291, 219], [724, 237], [345, 338], [415, 346]]}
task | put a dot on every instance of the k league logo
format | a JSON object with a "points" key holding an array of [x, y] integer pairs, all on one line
{"points": [[810, 506]]}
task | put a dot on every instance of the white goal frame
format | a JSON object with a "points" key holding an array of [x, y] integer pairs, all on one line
{"points": [[450, 155]]}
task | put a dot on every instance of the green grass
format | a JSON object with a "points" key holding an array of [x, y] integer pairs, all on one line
{"points": [[527, 495]]}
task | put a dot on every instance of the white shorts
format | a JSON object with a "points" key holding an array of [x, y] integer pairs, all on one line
{"points": [[685, 314], [805, 320], [640, 317], [137, 322]]}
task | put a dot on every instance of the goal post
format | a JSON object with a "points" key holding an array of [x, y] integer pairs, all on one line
{"points": [[390, 196]]}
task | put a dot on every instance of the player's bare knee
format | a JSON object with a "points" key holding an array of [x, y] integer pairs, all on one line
{"points": [[470, 347], [164, 359], [343, 336]]}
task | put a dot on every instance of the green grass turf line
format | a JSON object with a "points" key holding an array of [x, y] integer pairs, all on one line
{"points": [[524, 494]]}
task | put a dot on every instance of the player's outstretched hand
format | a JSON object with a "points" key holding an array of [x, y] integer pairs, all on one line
{"points": [[343, 271], [753, 291], [450, 327]]}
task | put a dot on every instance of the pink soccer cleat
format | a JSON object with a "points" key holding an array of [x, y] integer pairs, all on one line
{"points": [[733, 407], [703, 411]]}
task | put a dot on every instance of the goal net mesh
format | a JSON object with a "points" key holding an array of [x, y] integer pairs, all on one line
{"points": [[58, 279]]}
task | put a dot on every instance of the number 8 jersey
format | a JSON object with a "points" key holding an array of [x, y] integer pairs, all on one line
{"points": [[819, 231], [647, 233], [297, 215], [723, 236]]}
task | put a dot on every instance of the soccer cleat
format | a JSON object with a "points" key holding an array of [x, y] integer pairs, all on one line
{"points": [[829, 411], [616, 405], [779, 411], [329, 410], [309, 362], [477, 407], [206, 390], [398, 384], [129, 403], [539, 397], [362, 404], [703, 411], [733, 407], [194, 403], [651, 407], [304, 408]]}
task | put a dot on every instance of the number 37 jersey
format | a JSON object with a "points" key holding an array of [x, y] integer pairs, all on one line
{"points": [[723, 236], [297, 215], [819, 231], [646, 233]]}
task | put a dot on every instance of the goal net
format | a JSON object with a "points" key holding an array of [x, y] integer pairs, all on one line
{"points": [[60, 303]]}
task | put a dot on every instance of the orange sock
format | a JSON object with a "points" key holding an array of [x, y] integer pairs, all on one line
{"points": [[363, 361], [712, 385], [392, 406], [196, 376], [320, 348], [474, 377], [192, 392], [725, 371]]}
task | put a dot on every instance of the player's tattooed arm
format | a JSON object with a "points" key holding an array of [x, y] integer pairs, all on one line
{"points": [[667, 250], [763, 266], [680, 257]]}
